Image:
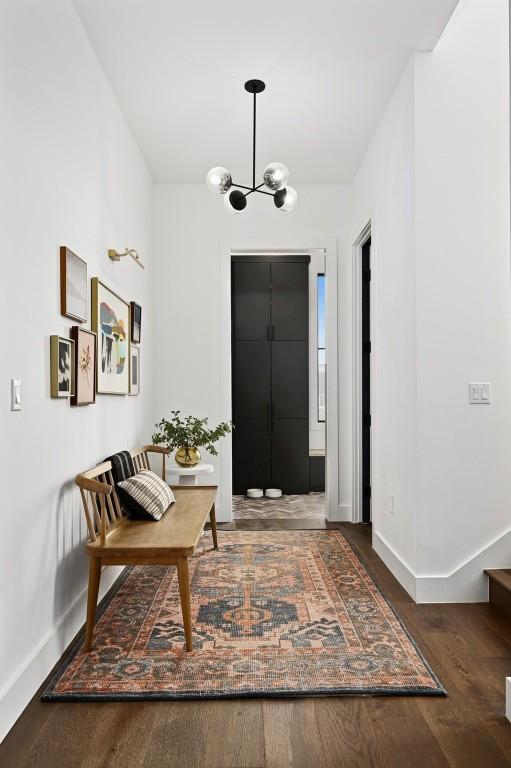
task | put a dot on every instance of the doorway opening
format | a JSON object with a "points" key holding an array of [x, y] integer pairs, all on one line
{"points": [[366, 381], [278, 356], [362, 376]]}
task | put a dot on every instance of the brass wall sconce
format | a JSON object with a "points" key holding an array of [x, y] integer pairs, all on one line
{"points": [[117, 256]]}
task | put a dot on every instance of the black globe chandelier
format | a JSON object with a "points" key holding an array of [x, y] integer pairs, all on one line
{"points": [[275, 175]]}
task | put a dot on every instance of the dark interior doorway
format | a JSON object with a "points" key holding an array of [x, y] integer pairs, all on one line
{"points": [[366, 381], [270, 373]]}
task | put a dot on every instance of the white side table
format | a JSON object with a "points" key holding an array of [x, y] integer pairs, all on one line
{"points": [[189, 475]]}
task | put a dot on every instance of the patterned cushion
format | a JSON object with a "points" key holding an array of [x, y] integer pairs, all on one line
{"points": [[145, 495]]}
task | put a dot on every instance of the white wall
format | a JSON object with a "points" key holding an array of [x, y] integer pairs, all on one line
{"points": [[463, 285], [71, 174], [191, 289], [435, 182], [383, 192]]}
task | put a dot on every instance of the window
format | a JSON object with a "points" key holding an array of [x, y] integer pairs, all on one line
{"points": [[321, 284]]}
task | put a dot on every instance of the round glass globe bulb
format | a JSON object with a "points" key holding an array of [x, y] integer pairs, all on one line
{"points": [[285, 199], [219, 180], [276, 176]]}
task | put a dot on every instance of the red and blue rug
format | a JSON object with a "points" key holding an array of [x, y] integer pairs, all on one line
{"points": [[275, 613]]}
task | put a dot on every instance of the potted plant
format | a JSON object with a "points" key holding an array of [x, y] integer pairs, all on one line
{"points": [[188, 435]]}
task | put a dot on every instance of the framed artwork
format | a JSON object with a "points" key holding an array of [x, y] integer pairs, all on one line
{"points": [[62, 374], [111, 323], [85, 366], [136, 322], [134, 370], [73, 285]]}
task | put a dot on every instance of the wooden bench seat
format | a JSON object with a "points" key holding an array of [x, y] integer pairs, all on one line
{"points": [[116, 540], [176, 534]]}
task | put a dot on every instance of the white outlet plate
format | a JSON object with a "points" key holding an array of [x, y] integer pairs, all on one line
{"points": [[15, 394], [479, 393]]}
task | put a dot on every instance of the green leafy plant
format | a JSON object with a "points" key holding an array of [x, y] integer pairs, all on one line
{"points": [[189, 432]]}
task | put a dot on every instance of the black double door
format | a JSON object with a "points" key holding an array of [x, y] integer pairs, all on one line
{"points": [[270, 329]]}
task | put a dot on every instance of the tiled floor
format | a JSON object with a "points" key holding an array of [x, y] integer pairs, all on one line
{"points": [[306, 506]]}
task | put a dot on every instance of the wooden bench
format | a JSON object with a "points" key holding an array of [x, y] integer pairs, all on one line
{"points": [[116, 540]]}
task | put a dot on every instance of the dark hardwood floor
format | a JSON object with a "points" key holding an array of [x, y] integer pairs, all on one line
{"points": [[468, 646]]}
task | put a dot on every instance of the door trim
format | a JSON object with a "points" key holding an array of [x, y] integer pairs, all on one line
{"points": [[357, 372], [286, 258], [284, 245]]}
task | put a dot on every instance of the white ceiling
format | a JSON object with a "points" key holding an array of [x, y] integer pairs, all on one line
{"points": [[330, 66]]}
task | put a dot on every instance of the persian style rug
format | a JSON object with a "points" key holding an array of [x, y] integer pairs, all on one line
{"points": [[275, 613]]}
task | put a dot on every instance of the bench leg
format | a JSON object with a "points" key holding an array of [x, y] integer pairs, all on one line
{"points": [[92, 600], [184, 591], [212, 518]]}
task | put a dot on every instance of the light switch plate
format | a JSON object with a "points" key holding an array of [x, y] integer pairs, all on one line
{"points": [[479, 393], [15, 394]]}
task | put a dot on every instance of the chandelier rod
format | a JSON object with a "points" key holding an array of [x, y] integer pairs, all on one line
{"points": [[253, 189], [254, 144]]}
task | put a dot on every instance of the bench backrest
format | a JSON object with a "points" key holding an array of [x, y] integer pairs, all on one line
{"points": [[101, 505]]}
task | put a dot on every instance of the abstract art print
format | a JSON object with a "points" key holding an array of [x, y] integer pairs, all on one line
{"points": [[111, 323], [136, 322], [73, 285], [85, 366], [61, 366], [134, 371]]}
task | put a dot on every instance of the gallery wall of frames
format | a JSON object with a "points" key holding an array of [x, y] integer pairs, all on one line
{"points": [[102, 359]]}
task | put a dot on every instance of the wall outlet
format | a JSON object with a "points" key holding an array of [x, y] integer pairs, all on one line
{"points": [[392, 507], [15, 394]]}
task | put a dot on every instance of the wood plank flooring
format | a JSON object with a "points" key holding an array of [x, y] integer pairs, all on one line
{"points": [[468, 646]]}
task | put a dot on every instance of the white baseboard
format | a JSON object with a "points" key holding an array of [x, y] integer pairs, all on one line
{"points": [[19, 689], [465, 584], [395, 563], [339, 514]]}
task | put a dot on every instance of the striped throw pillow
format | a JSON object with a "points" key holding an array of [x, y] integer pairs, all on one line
{"points": [[146, 492]]}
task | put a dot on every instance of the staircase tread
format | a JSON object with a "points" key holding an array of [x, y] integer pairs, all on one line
{"points": [[501, 575]]}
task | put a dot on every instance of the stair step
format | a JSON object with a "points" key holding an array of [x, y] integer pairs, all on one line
{"points": [[500, 590], [501, 576]]}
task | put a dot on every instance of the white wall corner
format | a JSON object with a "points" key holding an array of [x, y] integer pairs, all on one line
{"points": [[19, 689], [508, 698]]}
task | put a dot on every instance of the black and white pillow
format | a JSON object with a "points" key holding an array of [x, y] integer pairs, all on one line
{"points": [[145, 496]]}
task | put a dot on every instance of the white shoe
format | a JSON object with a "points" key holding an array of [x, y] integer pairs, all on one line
{"points": [[273, 493]]}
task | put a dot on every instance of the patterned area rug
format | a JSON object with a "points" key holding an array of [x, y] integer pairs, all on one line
{"points": [[275, 613], [289, 507]]}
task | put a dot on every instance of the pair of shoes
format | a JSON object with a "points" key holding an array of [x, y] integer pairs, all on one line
{"points": [[270, 493]]}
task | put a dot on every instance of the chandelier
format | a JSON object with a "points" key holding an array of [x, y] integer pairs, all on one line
{"points": [[275, 175]]}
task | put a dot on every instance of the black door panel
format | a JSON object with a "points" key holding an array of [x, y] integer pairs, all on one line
{"points": [[290, 455], [290, 379], [251, 380], [251, 455], [251, 301], [366, 382], [290, 301]]}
